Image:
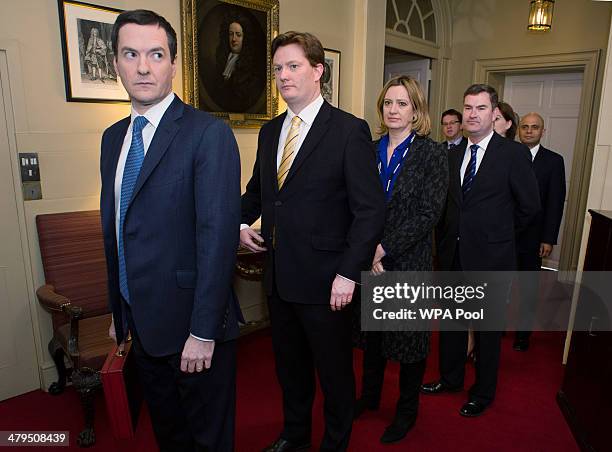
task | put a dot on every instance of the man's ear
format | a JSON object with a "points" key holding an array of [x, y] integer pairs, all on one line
{"points": [[496, 113], [319, 71]]}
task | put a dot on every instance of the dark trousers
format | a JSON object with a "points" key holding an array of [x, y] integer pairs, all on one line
{"points": [[528, 291], [487, 347], [411, 378], [308, 338], [189, 412]]}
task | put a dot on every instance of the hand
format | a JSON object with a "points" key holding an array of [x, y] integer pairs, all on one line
{"points": [[378, 255], [545, 249], [197, 355], [251, 240], [111, 330], [341, 293], [378, 269], [113, 335]]}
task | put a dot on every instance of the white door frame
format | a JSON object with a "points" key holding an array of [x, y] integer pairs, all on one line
{"points": [[17, 120], [493, 72]]}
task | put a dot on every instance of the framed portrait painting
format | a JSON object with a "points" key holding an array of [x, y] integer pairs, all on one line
{"points": [[330, 81], [89, 73], [226, 58]]}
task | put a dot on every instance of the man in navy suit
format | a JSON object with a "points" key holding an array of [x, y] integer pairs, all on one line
{"points": [[322, 207], [170, 206], [492, 190], [537, 240], [453, 130]]}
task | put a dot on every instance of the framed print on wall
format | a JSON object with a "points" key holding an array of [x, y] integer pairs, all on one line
{"points": [[89, 72], [226, 58], [330, 81]]}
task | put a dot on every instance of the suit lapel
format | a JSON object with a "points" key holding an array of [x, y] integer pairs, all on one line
{"points": [[455, 158], [273, 148], [166, 130], [317, 130]]}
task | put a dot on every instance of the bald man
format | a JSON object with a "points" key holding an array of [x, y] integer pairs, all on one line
{"points": [[536, 242]]}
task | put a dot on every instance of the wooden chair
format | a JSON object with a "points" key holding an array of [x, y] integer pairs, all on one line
{"points": [[72, 250]]}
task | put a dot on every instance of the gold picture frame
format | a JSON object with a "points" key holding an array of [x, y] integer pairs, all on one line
{"points": [[241, 91]]}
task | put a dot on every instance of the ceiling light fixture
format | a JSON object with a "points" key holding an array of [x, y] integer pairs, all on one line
{"points": [[540, 15]]}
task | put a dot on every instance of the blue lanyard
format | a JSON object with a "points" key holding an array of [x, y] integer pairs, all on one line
{"points": [[388, 173]]}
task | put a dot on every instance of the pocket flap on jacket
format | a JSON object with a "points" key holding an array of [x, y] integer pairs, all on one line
{"points": [[328, 243], [186, 279]]}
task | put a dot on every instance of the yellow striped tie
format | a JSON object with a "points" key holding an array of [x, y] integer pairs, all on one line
{"points": [[288, 151]]}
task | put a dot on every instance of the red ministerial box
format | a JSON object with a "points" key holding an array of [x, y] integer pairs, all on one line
{"points": [[122, 392]]}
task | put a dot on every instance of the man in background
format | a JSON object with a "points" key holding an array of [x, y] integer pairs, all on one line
{"points": [[453, 130], [492, 190], [536, 241]]}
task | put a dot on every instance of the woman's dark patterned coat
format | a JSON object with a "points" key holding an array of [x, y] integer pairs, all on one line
{"points": [[415, 206]]}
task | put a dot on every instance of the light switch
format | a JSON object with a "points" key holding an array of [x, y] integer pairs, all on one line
{"points": [[30, 176]]}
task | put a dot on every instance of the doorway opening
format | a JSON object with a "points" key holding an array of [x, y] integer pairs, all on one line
{"points": [[400, 62], [556, 96]]}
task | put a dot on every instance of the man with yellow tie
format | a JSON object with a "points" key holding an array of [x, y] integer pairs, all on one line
{"points": [[316, 187]]}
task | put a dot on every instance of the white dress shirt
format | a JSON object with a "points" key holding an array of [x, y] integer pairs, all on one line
{"points": [[153, 115], [307, 115], [455, 142], [482, 147], [534, 151]]}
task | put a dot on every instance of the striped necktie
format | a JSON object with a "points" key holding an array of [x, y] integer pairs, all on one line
{"points": [[133, 164], [470, 171], [288, 151]]}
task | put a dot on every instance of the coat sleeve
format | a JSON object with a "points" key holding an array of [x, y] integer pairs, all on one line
{"points": [[217, 203], [402, 232], [555, 201], [366, 202]]}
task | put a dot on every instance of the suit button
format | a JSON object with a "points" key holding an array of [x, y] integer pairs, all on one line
{"points": [[278, 203]]}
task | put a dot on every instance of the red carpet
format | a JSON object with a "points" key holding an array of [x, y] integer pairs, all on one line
{"points": [[524, 416]]}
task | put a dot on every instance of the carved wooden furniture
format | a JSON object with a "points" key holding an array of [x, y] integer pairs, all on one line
{"points": [[585, 397], [72, 251]]}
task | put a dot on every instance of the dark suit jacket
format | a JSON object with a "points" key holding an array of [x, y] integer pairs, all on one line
{"points": [[180, 231], [550, 173], [328, 217], [504, 196]]}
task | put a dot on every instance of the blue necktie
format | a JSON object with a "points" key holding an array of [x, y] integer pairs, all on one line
{"points": [[133, 164], [470, 171]]}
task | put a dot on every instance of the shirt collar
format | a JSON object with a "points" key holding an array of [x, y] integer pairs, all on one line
{"points": [[156, 112], [456, 141], [309, 113], [534, 150], [483, 143]]}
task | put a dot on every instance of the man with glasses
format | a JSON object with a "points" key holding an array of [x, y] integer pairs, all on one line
{"points": [[452, 130]]}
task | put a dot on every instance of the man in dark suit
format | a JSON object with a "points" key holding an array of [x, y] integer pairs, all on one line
{"points": [[492, 190], [170, 206], [537, 240], [453, 130], [322, 208]]}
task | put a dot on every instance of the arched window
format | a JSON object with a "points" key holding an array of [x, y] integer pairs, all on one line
{"points": [[414, 18]]}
